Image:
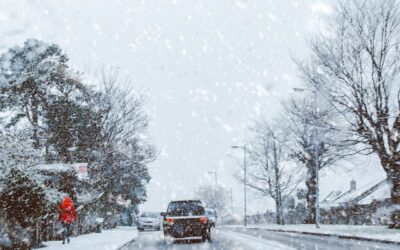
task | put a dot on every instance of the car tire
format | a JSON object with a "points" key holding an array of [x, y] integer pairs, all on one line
{"points": [[140, 229], [209, 234], [168, 239], [206, 236]]}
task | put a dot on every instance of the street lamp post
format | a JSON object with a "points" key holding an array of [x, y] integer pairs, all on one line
{"points": [[231, 201], [245, 181], [315, 152]]}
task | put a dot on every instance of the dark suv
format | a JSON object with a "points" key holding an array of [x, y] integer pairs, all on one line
{"points": [[186, 220]]}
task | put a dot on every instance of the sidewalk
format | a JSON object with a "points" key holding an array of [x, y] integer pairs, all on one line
{"points": [[370, 233], [107, 240]]}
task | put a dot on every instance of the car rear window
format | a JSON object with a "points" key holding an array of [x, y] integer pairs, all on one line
{"points": [[185, 208], [150, 215], [210, 213]]}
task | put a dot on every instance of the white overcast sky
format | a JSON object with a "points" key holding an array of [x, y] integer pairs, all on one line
{"points": [[210, 67]]}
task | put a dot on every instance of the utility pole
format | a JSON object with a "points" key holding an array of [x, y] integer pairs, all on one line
{"points": [[316, 163], [231, 201], [245, 186], [245, 181]]}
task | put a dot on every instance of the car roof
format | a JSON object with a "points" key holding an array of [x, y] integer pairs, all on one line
{"points": [[150, 212], [185, 201]]}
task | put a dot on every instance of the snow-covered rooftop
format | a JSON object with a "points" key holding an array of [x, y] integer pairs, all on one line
{"points": [[89, 196], [332, 196], [53, 167], [382, 192], [374, 190]]}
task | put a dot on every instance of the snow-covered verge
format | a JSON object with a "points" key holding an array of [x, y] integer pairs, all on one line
{"points": [[379, 233], [107, 240]]}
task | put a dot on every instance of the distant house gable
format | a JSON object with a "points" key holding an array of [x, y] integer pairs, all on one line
{"points": [[375, 190], [332, 196], [370, 191]]}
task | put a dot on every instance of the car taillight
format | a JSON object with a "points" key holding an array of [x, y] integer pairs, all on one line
{"points": [[169, 221], [203, 220]]}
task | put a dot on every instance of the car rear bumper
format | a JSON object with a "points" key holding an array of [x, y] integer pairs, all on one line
{"points": [[187, 238], [189, 232], [149, 226]]}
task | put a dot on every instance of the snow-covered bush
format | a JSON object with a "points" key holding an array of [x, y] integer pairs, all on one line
{"points": [[22, 195], [5, 241], [23, 201]]}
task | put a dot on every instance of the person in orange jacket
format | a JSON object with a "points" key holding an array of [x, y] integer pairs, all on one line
{"points": [[67, 214]]}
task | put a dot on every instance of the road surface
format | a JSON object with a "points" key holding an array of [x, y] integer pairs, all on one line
{"points": [[250, 239]]}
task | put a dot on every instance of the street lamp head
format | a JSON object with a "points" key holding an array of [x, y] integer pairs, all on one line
{"points": [[235, 147], [299, 89]]}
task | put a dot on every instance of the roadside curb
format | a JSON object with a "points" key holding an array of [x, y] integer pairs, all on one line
{"points": [[340, 236], [126, 244]]}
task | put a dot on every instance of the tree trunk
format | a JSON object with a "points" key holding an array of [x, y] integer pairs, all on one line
{"points": [[35, 121], [394, 179], [278, 195], [278, 202], [282, 220], [311, 195], [278, 209]]}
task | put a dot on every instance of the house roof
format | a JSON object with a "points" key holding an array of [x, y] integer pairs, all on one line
{"points": [[332, 196], [374, 190], [381, 192], [56, 167]]}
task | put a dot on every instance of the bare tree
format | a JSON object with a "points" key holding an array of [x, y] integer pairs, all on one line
{"points": [[125, 150], [213, 197], [271, 174], [357, 64], [125, 116], [301, 125]]}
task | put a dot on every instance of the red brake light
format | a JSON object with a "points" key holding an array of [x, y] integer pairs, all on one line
{"points": [[203, 220], [170, 221]]}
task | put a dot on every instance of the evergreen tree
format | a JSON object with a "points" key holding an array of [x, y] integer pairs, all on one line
{"points": [[25, 84]]}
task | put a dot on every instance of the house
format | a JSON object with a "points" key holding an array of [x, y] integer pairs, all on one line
{"points": [[368, 204]]}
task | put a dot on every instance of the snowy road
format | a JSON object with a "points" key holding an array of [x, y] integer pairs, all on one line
{"points": [[239, 239], [222, 240]]}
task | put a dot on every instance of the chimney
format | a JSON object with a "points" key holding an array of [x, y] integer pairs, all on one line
{"points": [[353, 185]]}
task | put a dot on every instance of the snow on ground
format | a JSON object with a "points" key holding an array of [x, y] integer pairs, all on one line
{"points": [[250, 242], [371, 232], [107, 240], [221, 240]]}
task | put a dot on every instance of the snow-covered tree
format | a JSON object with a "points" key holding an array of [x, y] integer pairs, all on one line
{"points": [[16, 150], [72, 128], [38, 88], [357, 65], [25, 81]]}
